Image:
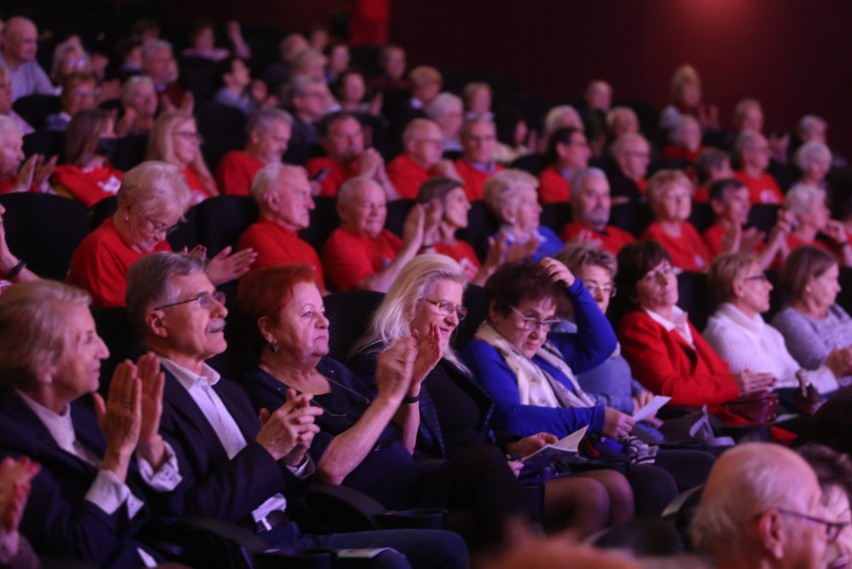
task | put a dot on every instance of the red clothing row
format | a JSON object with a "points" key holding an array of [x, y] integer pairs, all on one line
{"points": [[667, 365], [474, 178], [276, 245], [552, 186], [688, 251], [612, 238], [349, 258], [236, 172], [88, 185], [407, 176], [463, 254], [338, 173], [100, 264], [763, 189]]}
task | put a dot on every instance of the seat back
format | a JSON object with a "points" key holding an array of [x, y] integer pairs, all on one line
{"points": [[695, 298], [129, 151], [631, 217], [35, 108], [477, 312], [219, 221], [324, 220], [45, 142], [44, 231], [223, 129], [349, 314], [555, 216], [481, 223]]}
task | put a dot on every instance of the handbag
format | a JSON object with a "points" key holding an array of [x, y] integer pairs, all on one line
{"points": [[757, 408]]}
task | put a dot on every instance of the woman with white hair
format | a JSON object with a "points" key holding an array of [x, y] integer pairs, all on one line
{"points": [[812, 223], [448, 111], [558, 117], [139, 103], [685, 140], [512, 197], [814, 160]]}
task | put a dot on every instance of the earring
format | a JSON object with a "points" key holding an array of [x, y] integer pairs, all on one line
{"points": [[126, 217], [274, 347]]}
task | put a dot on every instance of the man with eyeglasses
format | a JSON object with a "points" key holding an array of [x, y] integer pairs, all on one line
{"points": [[762, 507], [235, 465]]}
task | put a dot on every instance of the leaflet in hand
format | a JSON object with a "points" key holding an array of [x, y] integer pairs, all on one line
{"points": [[651, 408], [549, 453]]}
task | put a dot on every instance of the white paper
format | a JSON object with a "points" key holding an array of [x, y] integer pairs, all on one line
{"points": [[571, 443], [651, 408]]}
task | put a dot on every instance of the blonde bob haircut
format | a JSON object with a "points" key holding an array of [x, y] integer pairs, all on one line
{"points": [[393, 317], [161, 146], [32, 328], [502, 189]]}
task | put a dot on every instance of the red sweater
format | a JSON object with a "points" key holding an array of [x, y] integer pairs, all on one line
{"points": [[474, 179], [612, 238], [763, 189], [276, 245], [236, 172], [349, 258], [553, 187], [338, 174], [407, 176], [688, 251], [667, 365], [89, 185], [464, 255]]}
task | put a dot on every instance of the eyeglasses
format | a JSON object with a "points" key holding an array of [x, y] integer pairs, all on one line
{"points": [[529, 323], [595, 290], [205, 300], [159, 227], [191, 135], [760, 277], [445, 308], [832, 529]]}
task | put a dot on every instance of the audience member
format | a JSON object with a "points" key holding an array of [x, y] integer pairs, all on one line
{"points": [[814, 161], [621, 120], [69, 57], [310, 100], [139, 104], [346, 156], [6, 101], [350, 89], [558, 117], [590, 208], [361, 253], [17, 175], [447, 111], [711, 166], [813, 325], [337, 60], [631, 155], [175, 140], [812, 127], [392, 62], [309, 62], [476, 164], [685, 140], [569, 153], [753, 150], [18, 47], [78, 94], [268, 134], [158, 63], [749, 517], [686, 94], [279, 73], [235, 77], [477, 101], [669, 194], [812, 224], [420, 160], [597, 101], [203, 39], [425, 82], [283, 196]]}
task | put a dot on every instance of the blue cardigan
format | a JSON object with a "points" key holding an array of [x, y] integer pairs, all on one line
{"points": [[593, 344]]}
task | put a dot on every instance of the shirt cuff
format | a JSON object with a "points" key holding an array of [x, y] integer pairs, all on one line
{"points": [[304, 470], [107, 492], [167, 477]]}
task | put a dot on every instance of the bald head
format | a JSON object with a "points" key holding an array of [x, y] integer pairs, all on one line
{"points": [[18, 42]]}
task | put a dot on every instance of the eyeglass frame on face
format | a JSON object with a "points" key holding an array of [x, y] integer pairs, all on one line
{"points": [[594, 289], [157, 228], [445, 308], [197, 136], [832, 529], [205, 300], [530, 323]]}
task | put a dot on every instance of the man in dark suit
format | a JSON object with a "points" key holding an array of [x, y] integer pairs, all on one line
{"points": [[235, 466]]}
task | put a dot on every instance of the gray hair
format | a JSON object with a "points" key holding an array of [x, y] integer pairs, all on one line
{"points": [[266, 179], [262, 119], [157, 188], [501, 189], [130, 86], [809, 123], [347, 190], [442, 105], [580, 177], [300, 83], [149, 283], [8, 124], [32, 328], [747, 139], [676, 135], [150, 47], [811, 151], [802, 197], [552, 119], [624, 139]]}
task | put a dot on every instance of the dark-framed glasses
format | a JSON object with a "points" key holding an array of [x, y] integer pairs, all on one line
{"points": [[205, 300], [445, 308], [832, 528], [529, 323]]}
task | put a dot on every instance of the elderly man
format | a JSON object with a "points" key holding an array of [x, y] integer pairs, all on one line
{"points": [[476, 165], [346, 157], [283, 196], [18, 47], [590, 204], [631, 155], [447, 110], [311, 100], [268, 132], [421, 159], [158, 63], [234, 466], [753, 149], [762, 507], [361, 253]]}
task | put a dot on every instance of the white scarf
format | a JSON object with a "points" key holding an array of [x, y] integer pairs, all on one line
{"points": [[527, 372]]}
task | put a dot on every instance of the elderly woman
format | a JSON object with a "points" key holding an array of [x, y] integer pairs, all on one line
{"points": [[685, 140], [139, 101], [86, 173], [367, 437], [814, 160], [670, 197], [15, 174], [816, 330], [512, 197], [151, 201], [448, 111], [350, 88], [813, 225], [665, 351], [175, 139], [425, 299], [86, 503], [740, 336]]}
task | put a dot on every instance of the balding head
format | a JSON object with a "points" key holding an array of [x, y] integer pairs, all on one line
{"points": [[18, 42], [752, 506], [283, 195], [362, 206]]}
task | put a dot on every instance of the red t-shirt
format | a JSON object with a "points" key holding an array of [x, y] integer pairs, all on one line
{"points": [[688, 251], [338, 173], [349, 258], [196, 186], [89, 185], [100, 264], [474, 178], [464, 254], [236, 172], [276, 245], [763, 189], [407, 176], [553, 187], [612, 238]]}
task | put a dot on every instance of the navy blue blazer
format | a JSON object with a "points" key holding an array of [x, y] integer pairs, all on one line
{"points": [[57, 518], [212, 484]]}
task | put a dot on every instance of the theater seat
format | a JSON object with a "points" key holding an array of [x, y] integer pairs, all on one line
{"points": [[695, 299], [477, 312], [642, 537], [45, 142], [219, 221], [763, 216], [632, 217], [481, 223], [555, 216], [223, 129], [324, 220], [349, 315], [35, 108], [397, 213]]}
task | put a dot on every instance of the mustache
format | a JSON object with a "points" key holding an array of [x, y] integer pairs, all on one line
{"points": [[217, 326]]}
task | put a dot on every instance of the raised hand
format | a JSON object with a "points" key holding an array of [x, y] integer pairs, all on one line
{"points": [[287, 433], [225, 267], [412, 231], [151, 445], [558, 272], [120, 418], [15, 477], [430, 350], [394, 369]]}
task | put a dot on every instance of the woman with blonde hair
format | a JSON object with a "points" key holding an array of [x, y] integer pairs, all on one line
{"points": [[175, 139]]}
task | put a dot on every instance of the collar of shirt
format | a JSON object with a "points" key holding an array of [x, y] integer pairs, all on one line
{"points": [[208, 378], [486, 167], [58, 425], [680, 323]]}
